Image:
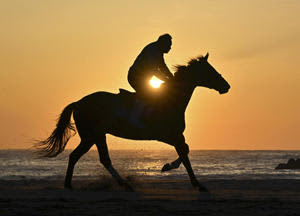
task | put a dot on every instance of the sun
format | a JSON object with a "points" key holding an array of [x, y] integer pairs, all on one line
{"points": [[155, 82]]}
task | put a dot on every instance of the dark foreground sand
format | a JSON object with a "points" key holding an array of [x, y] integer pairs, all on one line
{"points": [[152, 197]]}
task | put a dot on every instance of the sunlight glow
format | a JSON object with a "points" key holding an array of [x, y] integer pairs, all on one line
{"points": [[155, 82]]}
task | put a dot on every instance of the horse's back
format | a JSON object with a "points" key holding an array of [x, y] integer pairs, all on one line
{"points": [[103, 94], [96, 98], [107, 100]]}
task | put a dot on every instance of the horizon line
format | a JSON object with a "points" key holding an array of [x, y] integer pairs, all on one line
{"points": [[164, 149]]}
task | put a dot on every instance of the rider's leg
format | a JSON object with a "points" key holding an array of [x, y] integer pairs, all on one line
{"points": [[139, 105]]}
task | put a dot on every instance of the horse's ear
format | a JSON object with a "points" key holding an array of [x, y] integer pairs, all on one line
{"points": [[206, 56]]}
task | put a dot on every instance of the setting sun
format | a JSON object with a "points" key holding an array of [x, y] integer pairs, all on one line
{"points": [[155, 82]]}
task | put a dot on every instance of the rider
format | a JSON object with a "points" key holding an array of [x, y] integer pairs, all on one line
{"points": [[149, 62]]}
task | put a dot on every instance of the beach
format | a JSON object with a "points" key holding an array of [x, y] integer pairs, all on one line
{"points": [[151, 197], [239, 183]]}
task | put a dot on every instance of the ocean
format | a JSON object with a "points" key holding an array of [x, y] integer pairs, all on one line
{"points": [[207, 164]]}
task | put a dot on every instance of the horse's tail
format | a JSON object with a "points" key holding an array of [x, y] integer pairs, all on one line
{"points": [[57, 141]]}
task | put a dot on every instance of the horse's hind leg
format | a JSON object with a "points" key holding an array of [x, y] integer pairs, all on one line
{"points": [[169, 166], [83, 148], [105, 160]]}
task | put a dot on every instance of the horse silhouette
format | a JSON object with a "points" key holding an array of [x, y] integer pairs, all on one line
{"points": [[100, 113]]}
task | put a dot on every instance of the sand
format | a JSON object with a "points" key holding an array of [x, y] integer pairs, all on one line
{"points": [[151, 197]]}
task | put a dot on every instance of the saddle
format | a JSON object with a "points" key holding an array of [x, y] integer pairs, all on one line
{"points": [[128, 98], [132, 102], [125, 92], [128, 94]]}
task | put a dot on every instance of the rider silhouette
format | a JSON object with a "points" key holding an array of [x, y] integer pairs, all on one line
{"points": [[150, 62]]}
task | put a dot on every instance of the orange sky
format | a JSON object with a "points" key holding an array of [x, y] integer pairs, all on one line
{"points": [[55, 52]]}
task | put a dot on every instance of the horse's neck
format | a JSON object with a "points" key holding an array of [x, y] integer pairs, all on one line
{"points": [[183, 94]]}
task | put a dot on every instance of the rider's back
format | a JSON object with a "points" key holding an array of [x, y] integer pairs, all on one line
{"points": [[147, 61]]}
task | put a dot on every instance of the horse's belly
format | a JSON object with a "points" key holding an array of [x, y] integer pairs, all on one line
{"points": [[124, 128], [129, 131]]}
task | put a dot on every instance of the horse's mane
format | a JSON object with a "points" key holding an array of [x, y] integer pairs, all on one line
{"points": [[181, 70]]}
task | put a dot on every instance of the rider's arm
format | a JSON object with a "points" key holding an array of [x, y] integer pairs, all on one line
{"points": [[164, 72]]}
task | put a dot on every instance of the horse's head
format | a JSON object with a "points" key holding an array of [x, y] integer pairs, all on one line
{"points": [[201, 73]]}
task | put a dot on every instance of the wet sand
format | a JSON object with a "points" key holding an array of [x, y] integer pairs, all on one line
{"points": [[151, 197]]}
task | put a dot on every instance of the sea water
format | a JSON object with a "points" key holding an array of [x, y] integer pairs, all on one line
{"points": [[23, 164]]}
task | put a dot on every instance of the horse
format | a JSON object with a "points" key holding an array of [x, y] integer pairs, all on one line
{"points": [[102, 113]]}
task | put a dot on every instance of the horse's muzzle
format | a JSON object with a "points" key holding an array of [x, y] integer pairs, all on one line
{"points": [[224, 90]]}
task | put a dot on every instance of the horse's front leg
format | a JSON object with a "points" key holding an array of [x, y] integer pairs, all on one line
{"points": [[169, 166], [182, 150]]}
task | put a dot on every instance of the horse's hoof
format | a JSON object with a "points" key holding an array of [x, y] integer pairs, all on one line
{"points": [[166, 167], [128, 188], [68, 187], [202, 188]]}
